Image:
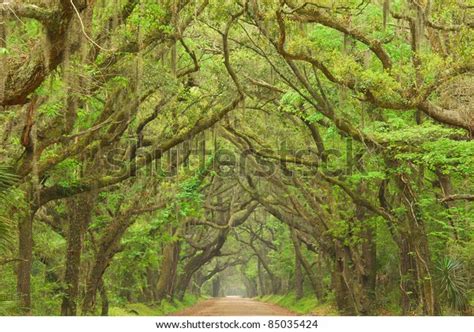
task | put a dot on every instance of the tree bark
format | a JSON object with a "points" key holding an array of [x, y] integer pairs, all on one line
{"points": [[25, 248], [198, 261], [108, 246], [104, 299], [342, 293], [216, 286], [150, 293], [299, 292], [368, 266], [250, 284], [168, 270], [316, 282], [369, 274], [419, 248], [408, 288], [80, 214], [261, 283]]}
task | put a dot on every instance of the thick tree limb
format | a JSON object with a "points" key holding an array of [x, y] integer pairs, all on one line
{"points": [[38, 13], [458, 197], [314, 15]]}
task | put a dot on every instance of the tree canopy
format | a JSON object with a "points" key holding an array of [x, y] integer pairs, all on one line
{"points": [[154, 151]]}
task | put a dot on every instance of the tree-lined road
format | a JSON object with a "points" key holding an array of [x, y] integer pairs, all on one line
{"points": [[234, 306]]}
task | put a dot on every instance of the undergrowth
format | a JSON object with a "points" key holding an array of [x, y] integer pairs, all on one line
{"points": [[307, 305], [166, 307]]}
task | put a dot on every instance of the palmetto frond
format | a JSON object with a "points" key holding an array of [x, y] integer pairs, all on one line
{"points": [[454, 284], [6, 234], [7, 180]]}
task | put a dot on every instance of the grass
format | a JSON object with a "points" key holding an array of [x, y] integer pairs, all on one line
{"points": [[164, 308], [307, 305]]}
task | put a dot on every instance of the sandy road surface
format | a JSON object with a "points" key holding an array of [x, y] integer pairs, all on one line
{"points": [[234, 306]]}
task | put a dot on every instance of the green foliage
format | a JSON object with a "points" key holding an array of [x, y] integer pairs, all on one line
{"points": [[7, 180], [164, 308], [454, 284], [89, 107], [308, 305], [450, 155], [149, 16], [8, 299], [6, 234], [51, 109], [68, 172]]}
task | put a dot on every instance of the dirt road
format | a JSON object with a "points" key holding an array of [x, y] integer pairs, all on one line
{"points": [[234, 306]]}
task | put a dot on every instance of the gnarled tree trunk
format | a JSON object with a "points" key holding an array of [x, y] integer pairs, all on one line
{"points": [[315, 280], [108, 246], [168, 269], [80, 214], [25, 249]]}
